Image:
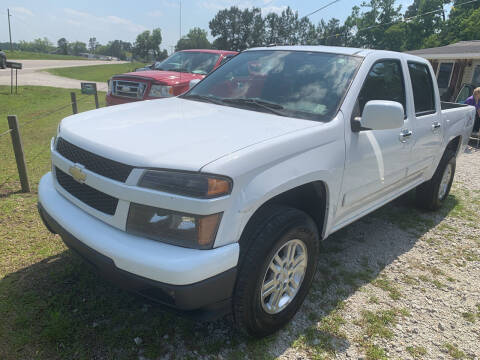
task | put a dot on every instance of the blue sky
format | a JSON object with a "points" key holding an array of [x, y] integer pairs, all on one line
{"points": [[115, 19]]}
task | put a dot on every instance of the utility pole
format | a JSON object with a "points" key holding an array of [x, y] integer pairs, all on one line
{"points": [[180, 25], [9, 29]]}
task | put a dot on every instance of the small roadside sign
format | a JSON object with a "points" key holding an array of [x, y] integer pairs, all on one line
{"points": [[14, 65], [89, 88]]}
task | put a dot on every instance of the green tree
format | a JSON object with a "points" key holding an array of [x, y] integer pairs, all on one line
{"points": [[62, 45], [142, 45], [421, 28], [461, 23], [237, 29], [195, 39], [92, 44], [77, 47], [155, 41], [38, 45]]}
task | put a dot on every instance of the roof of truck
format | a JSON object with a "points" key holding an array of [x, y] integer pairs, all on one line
{"points": [[212, 51], [340, 50], [316, 48]]}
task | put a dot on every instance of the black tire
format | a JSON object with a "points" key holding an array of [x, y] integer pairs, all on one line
{"points": [[3, 63], [428, 194], [271, 228]]}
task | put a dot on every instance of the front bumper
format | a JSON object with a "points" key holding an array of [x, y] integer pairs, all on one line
{"points": [[186, 279]]}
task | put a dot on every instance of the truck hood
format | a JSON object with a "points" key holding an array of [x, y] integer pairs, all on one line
{"points": [[173, 133], [165, 77]]}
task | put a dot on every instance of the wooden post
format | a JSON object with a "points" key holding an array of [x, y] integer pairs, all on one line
{"points": [[73, 97], [19, 154], [96, 100]]}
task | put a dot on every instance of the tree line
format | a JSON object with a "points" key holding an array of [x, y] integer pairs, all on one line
{"points": [[379, 24], [145, 48]]}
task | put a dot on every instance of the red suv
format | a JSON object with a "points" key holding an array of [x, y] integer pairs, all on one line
{"points": [[170, 77]]}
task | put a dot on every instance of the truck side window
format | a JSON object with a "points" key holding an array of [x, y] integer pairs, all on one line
{"points": [[384, 82], [422, 85]]}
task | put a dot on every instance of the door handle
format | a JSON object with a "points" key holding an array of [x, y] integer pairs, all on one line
{"points": [[436, 125], [405, 135]]}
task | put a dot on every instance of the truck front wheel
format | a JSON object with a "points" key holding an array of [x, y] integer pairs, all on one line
{"points": [[432, 194], [276, 271]]}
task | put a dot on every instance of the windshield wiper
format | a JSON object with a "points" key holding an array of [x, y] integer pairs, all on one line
{"points": [[211, 99], [269, 106]]}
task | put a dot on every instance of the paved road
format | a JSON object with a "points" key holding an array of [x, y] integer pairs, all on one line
{"points": [[31, 73]]}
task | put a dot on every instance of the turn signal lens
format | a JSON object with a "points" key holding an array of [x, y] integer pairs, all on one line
{"points": [[217, 187], [207, 228]]}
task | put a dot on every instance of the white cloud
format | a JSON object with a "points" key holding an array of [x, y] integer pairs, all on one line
{"points": [[21, 10], [223, 4], [273, 9], [155, 13], [80, 18]]}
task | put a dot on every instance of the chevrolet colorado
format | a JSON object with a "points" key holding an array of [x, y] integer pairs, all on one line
{"points": [[216, 200], [170, 77]]}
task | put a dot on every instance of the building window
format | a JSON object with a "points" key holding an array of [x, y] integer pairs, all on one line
{"points": [[444, 75]]}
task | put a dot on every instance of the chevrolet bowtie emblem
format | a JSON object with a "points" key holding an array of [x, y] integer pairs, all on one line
{"points": [[77, 173]]}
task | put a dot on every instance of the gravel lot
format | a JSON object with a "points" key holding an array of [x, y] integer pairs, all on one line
{"points": [[32, 73], [424, 299], [398, 284]]}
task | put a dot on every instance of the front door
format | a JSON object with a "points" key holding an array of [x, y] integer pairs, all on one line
{"points": [[376, 159]]}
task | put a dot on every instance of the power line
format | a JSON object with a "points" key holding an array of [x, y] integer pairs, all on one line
{"points": [[323, 7]]}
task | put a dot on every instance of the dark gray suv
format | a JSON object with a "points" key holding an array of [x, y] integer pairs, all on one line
{"points": [[3, 60]]}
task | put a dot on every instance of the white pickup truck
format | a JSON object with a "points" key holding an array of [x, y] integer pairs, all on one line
{"points": [[215, 201]]}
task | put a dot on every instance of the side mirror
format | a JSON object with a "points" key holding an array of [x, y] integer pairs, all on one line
{"points": [[193, 82], [381, 115]]}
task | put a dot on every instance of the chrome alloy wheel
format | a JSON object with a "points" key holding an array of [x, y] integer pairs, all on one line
{"points": [[447, 175], [284, 276]]}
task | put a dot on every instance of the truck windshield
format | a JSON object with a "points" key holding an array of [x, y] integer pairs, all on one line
{"points": [[189, 61], [307, 85]]}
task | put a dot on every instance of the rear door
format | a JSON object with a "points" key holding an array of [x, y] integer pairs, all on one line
{"points": [[427, 122]]}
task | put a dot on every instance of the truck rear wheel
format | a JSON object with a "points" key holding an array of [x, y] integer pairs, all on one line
{"points": [[432, 194], [276, 271]]}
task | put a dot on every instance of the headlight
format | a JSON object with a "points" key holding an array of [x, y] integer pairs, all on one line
{"points": [[187, 230], [161, 91], [188, 184]]}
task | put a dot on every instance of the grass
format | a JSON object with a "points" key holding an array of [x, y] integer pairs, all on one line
{"points": [[28, 55], [54, 306], [388, 286], [454, 351], [417, 352], [100, 73]]}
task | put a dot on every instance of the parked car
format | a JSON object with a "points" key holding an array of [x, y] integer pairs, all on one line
{"points": [[170, 77], [3, 60], [216, 200]]}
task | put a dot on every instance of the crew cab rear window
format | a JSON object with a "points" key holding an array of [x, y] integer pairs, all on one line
{"points": [[422, 85], [383, 82]]}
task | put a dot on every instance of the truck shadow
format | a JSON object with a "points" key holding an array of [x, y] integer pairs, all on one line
{"points": [[60, 308]]}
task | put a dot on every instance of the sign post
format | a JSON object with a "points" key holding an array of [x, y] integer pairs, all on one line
{"points": [[17, 66], [90, 88]]}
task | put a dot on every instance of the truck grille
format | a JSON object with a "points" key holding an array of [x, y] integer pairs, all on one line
{"points": [[98, 164], [86, 194], [128, 89]]}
